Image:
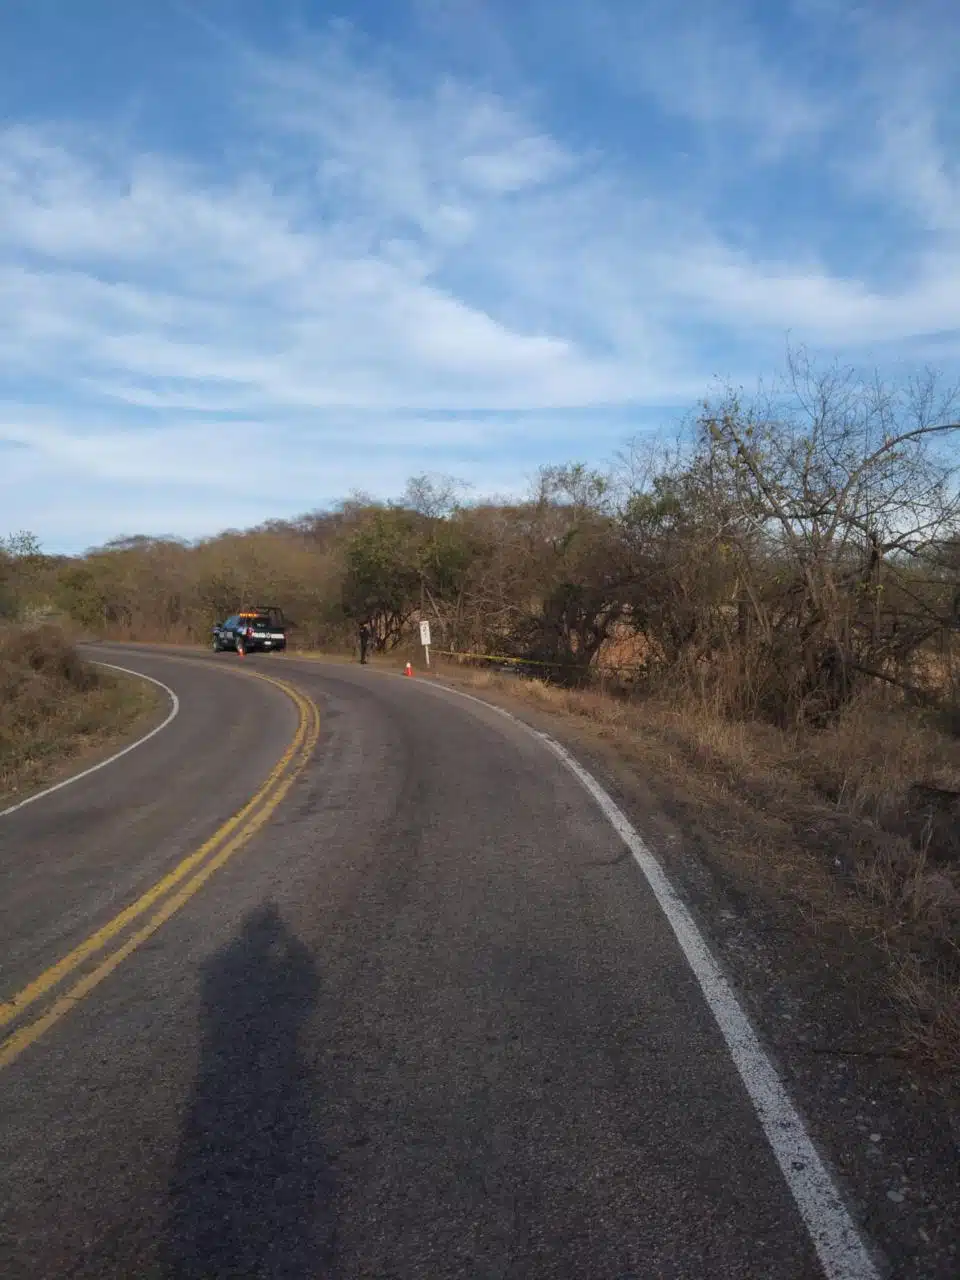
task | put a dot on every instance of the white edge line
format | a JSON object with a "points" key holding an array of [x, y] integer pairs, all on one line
{"points": [[67, 782], [839, 1246]]}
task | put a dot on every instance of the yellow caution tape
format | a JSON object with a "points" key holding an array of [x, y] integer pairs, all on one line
{"points": [[497, 657], [528, 662]]}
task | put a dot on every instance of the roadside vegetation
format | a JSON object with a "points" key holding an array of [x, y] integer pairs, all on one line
{"points": [[55, 708], [771, 605]]}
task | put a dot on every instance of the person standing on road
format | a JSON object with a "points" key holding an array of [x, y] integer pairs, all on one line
{"points": [[364, 641]]}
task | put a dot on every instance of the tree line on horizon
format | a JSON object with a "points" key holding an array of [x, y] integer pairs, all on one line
{"points": [[780, 555]]}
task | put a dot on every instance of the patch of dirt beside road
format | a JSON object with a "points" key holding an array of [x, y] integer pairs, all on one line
{"points": [[59, 713]]}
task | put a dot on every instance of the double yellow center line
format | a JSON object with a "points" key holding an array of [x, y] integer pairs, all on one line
{"points": [[171, 892]]}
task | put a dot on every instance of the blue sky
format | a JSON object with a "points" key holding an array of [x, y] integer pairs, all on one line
{"points": [[256, 254]]}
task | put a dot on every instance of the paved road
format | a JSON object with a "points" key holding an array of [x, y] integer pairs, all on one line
{"points": [[428, 1022]]}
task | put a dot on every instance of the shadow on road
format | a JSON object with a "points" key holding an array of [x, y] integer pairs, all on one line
{"points": [[251, 1191]]}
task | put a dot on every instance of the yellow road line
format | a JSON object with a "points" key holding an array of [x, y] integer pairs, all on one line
{"points": [[14, 1045], [249, 819]]}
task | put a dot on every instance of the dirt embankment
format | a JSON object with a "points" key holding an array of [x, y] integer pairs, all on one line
{"points": [[56, 709]]}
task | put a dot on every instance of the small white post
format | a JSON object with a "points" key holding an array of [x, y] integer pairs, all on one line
{"points": [[425, 641]]}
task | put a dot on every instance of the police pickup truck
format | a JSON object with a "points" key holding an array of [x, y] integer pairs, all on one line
{"points": [[250, 631]]}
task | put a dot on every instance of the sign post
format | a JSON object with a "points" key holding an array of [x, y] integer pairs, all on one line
{"points": [[425, 640]]}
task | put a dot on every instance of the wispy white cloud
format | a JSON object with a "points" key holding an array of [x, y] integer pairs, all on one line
{"points": [[711, 67], [348, 324], [390, 240], [907, 145], [192, 476]]}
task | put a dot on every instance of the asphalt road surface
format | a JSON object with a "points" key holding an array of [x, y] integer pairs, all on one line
{"points": [[424, 1018]]}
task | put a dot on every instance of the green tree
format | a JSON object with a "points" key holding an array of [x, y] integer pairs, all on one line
{"points": [[381, 581], [22, 565]]}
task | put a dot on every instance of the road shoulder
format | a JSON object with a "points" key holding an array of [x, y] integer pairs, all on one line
{"points": [[814, 986]]}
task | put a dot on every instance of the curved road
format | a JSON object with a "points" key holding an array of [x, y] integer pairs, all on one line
{"points": [[426, 1020]]}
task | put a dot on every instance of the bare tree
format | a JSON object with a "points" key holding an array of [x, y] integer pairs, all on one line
{"points": [[839, 486]]}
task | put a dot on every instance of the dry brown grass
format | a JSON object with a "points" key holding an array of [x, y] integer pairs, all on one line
{"points": [[54, 707], [824, 818]]}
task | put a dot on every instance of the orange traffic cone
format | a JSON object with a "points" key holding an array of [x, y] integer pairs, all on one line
{"points": [[408, 670]]}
